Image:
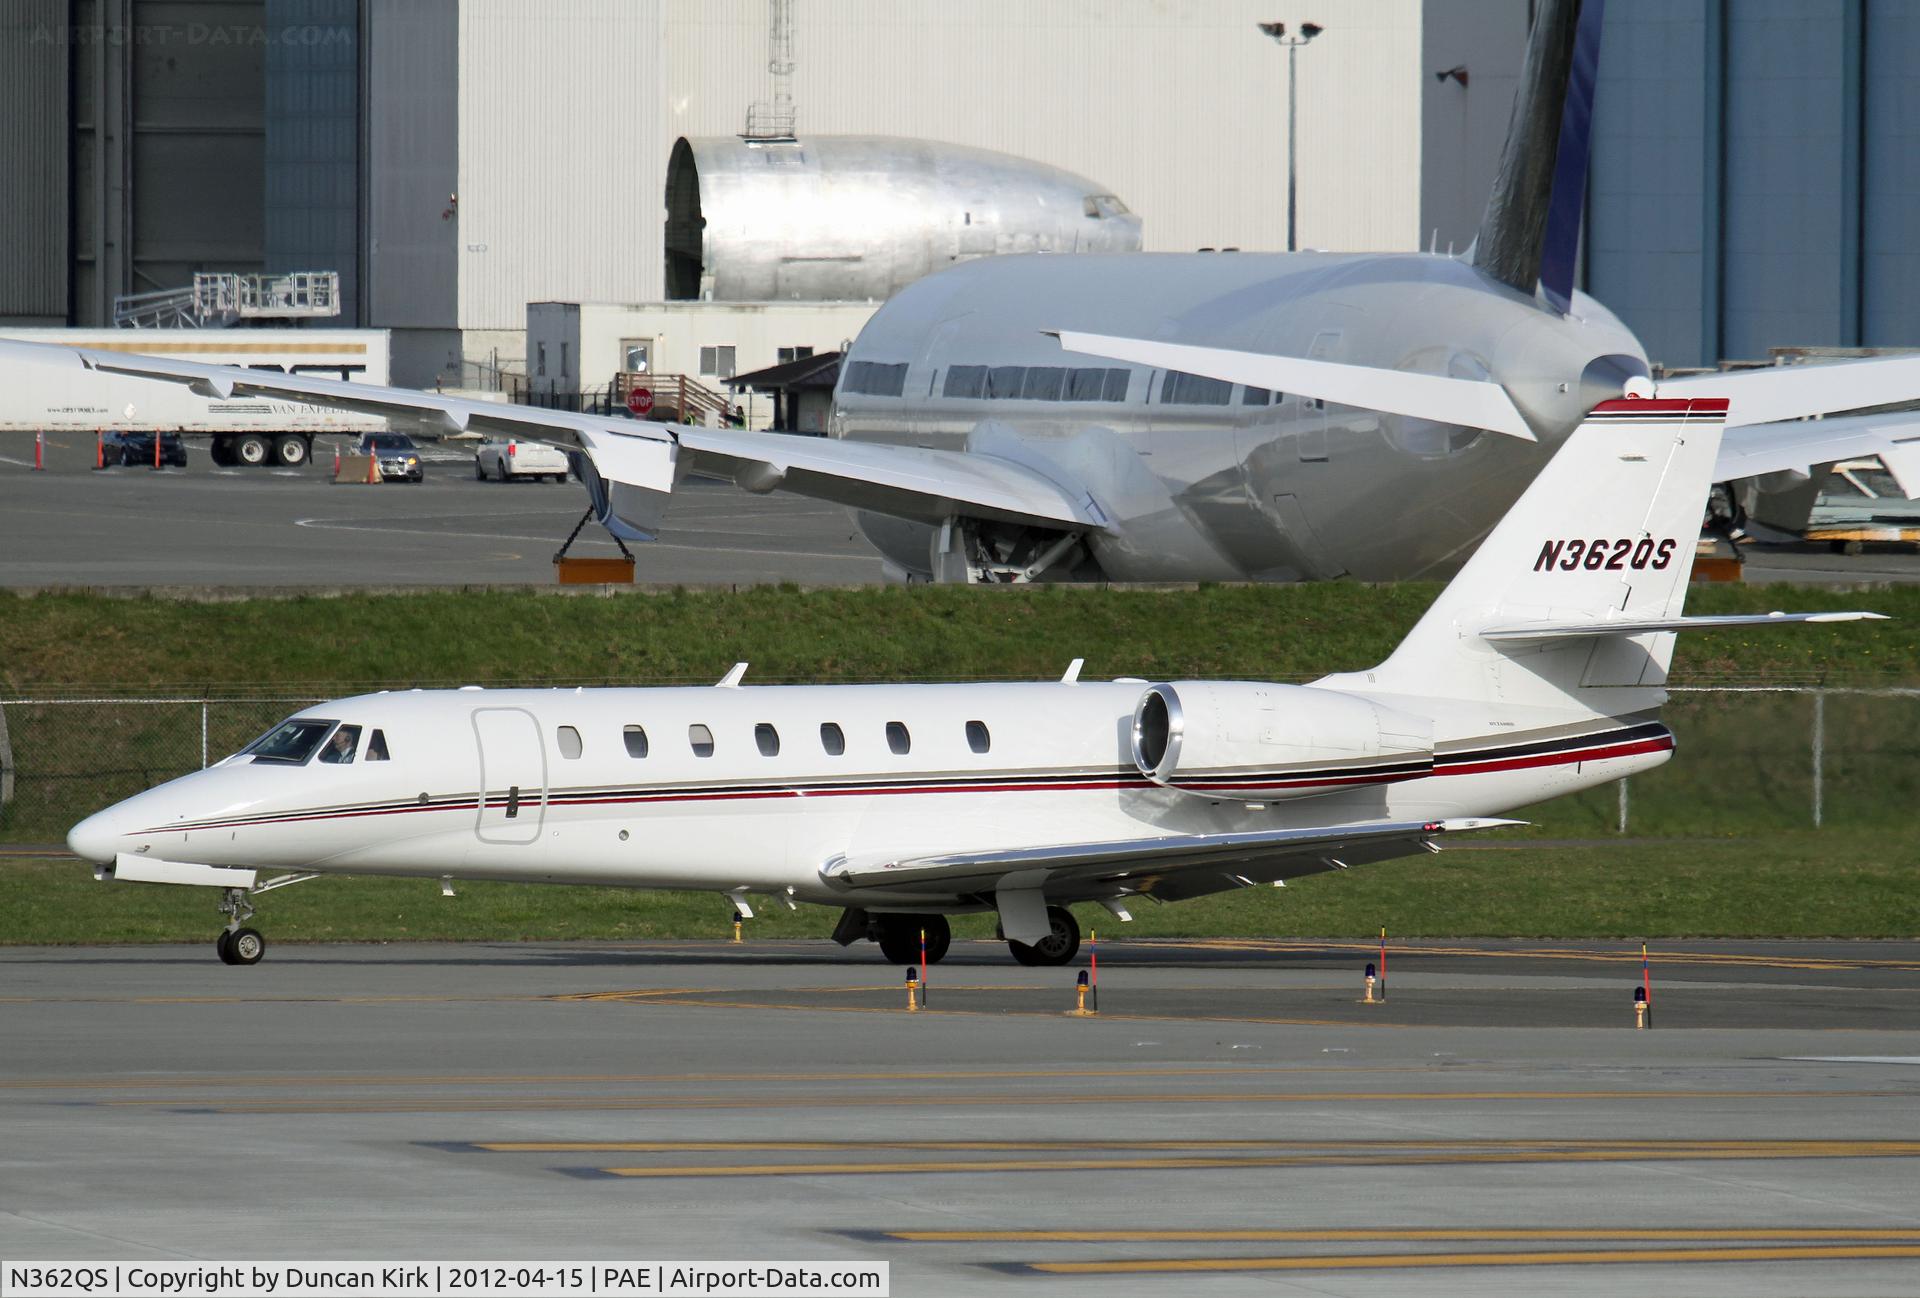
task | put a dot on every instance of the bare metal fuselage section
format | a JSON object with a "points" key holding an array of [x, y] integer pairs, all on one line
{"points": [[1221, 488]]}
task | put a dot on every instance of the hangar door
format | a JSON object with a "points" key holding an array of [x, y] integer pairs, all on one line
{"points": [[513, 775]]}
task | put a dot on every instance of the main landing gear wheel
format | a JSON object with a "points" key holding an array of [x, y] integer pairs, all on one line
{"points": [[240, 946], [1057, 947], [899, 938]]}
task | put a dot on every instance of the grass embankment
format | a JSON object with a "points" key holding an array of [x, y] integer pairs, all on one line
{"points": [[69, 641], [1826, 884], [1744, 767]]}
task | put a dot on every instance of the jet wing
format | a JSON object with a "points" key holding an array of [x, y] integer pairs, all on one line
{"points": [[1798, 445], [1706, 622], [1796, 391], [636, 463], [1169, 867]]}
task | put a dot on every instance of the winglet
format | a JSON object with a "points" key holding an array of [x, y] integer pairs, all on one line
{"points": [[731, 681], [1072, 674]]}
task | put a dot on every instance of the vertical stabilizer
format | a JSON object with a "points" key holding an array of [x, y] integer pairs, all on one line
{"points": [[1531, 230], [1605, 533]]}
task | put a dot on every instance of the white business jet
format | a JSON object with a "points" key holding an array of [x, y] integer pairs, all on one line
{"points": [[1537, 672]]}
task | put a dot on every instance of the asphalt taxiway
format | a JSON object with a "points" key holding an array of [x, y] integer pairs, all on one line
{"points": [[70, 525], [1234, 1112]]}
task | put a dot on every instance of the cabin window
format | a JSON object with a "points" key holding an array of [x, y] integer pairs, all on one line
{"points": [[875, 379], [832, 740], [977, 737], [377, 746], [898, 739], [702, 740], [1005, 381], [767, 739], [1194, 390], [965, 381], [569, 740], [1044, 383], [291, 742], [339, 750], [636, 740], [1256, 397]]}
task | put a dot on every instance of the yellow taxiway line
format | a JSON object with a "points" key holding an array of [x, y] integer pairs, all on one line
{"points": [[1411, 1261]]}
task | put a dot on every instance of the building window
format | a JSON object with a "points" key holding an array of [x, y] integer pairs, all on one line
{"points": [[541, 353], [768, 740], [788, 355], [717, 362], [875, 379], [563, 359], [977, 737], [701, 739], [832, 740], [1044, 383], [569, 740], [1005, 381], [1256, 397], [636, 737], [898, 739]]}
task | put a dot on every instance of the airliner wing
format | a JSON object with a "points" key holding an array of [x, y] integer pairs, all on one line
{"points": [[1796, 391], [1169, 868], [1648, 626], [636, 463], [1798, 445]]}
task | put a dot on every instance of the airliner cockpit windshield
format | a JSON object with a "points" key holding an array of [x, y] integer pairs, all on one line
{"points": [[292, 742]]}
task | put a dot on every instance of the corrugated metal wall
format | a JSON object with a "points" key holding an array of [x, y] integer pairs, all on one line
{"points": [[313, 141], [562, 159], [1755, 176], [34, 43], [412, 163], [569, 110]]}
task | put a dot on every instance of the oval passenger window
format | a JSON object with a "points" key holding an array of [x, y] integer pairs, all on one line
{"points": [[702, 740], [832, 740], [569, 739], [898, 739], [636, 737], [768, 740], [977, 737]]}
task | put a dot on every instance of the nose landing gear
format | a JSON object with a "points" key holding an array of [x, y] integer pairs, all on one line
{"points": [[238, 944]]}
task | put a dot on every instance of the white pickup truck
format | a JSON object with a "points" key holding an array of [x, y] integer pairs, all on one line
{"points": [[512, 457]]}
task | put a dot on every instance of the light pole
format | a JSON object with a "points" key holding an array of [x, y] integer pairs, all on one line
{"points": [[1278, 31]]}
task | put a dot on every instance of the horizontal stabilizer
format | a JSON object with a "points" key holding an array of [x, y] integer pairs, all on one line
{"points": [[1797, 391], [1574, 630], [1473, 403], [1160, 854]]}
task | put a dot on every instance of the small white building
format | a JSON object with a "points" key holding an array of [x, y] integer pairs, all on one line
{"points": [[581, 348]]}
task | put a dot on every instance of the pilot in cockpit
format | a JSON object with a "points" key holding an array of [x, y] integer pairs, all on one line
{"points": [[339, 749]]}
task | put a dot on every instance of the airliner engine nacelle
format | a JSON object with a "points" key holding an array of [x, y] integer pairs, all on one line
{"points": [[1253, 742]]}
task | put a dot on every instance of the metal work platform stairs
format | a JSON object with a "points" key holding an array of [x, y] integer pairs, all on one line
{"points": [[218, 299]]}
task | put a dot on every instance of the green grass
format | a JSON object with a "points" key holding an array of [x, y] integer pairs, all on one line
{"points": [[1803, 884], [54, 642]]}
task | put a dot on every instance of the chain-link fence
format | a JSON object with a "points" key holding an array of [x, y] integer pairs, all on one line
{"points": [[1751, 760]]}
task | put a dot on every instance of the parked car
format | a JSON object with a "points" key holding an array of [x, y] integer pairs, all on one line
{"points": [[134, 447], [396, 454], [511, 457]]}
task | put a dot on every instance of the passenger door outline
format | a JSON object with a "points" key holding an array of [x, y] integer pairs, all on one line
{"points": [[512, 757]]}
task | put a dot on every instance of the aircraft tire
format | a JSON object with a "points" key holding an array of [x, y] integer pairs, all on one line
{"points": [[224, 945], [1055, 949], [247, 946], [899, 941]]}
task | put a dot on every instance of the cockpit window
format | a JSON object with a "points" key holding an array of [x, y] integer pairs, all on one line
{"points": [[292, 742], [339, 750], [377, 746]]}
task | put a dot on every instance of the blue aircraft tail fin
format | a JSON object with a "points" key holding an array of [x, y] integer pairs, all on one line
{"points": [[1530, 233]]}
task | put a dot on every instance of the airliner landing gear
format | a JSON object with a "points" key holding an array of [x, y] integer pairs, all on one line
{"points": [[899, 937], [1057, 947], [239, 944]]}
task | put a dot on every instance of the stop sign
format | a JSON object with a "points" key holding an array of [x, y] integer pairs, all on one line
{"points": [[640, 401]]}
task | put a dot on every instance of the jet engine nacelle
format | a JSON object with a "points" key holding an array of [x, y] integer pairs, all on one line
{"points": [[1255, 742]]}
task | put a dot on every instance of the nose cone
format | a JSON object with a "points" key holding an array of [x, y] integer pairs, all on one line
{"points": [[97, 838]]}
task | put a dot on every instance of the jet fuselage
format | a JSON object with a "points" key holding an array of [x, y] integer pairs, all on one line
{"points": [[1206, 480]]}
